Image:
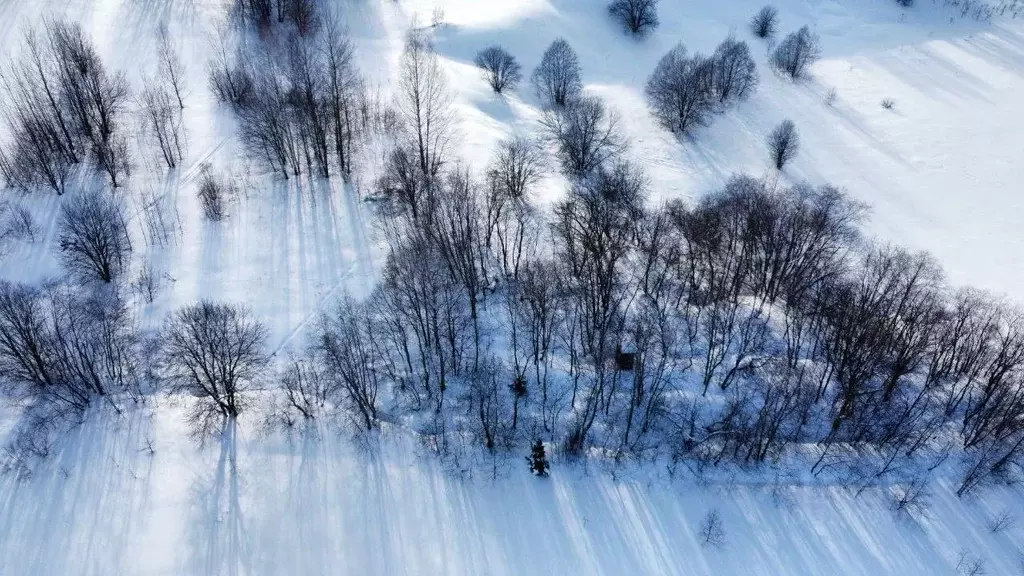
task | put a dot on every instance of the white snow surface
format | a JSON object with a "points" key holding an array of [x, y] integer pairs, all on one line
{"points": [[942, 172]]}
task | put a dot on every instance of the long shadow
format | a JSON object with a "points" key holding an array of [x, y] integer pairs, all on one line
{"points": [[218, 540]]}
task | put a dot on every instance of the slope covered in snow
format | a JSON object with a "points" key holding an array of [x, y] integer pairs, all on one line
{"points": [[941, 172]]}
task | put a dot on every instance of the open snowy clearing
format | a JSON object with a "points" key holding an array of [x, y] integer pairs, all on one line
{"points": [[941, 172]]}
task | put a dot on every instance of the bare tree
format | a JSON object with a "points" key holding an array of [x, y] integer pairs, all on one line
{"points": [[517, 166], [163, 122], [765, 23], [345, 344], [403, 185], [594, 234], [585, 135], [511, 222], [424, 102], [500, 68], [795, 54], [230, 77], [307, 388], [735, 74], [66, 347], [679, 91], [557, 77], [212, 194], [214, 352], [712, 533], [343, 87], [93, 236], [638, 16], [95, 97], [171, 69], [783, 144]]}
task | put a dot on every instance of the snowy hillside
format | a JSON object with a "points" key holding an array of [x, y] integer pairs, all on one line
{"points": [[128, 486]]}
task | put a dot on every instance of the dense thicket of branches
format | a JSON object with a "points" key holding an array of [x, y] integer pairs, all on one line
{"points": [[66, 348], [300, 106], [62, 106]]}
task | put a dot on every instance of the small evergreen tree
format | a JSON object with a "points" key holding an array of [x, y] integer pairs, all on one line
{"points": [[538, 460]]}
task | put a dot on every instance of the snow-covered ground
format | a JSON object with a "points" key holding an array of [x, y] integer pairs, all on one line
{"points": [[942, 172]]}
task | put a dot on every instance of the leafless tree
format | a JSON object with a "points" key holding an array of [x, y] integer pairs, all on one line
{"points": [[230, 77], [638, 16], [795, 54], [345, 344], [585, 135], [402, 184], [735, 74], [93, 236], [594, 234], [511, 225], [307, 388], [764, 24], [500, 68], [66, 347], [95, 97], [343, 88], [171, 69], [712, 532], [783, 144], [163, 122], [557, 77], [1002, 521], [424, 102], [212, 194], [517, 166], [267, 123], [214, 352], [679, 91]]}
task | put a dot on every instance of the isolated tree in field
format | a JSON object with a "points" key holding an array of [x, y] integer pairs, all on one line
{"points": [[638, 16], [795, 54], [538, 460], [783, 143], [93, 236], [765, 23], [557, 78], [500, 68], [735, 73], [213, 352], [585, 134], [424, 103], [680, 90]]}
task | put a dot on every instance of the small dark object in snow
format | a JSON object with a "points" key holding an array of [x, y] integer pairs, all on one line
{"points": [[624, 360], [538, 460]]}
